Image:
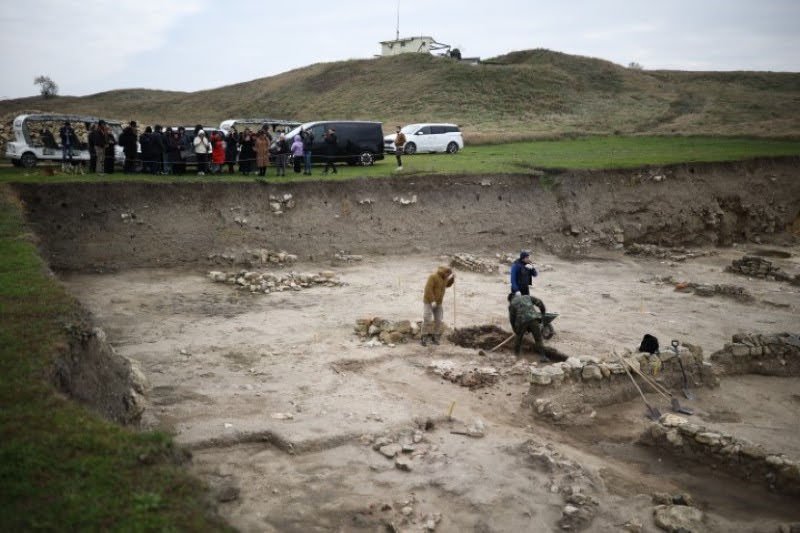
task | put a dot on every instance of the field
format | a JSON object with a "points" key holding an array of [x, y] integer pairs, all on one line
{"points": [[519, 157]]}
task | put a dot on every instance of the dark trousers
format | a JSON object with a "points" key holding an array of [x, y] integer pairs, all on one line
{"points": [[202, 162], [262, 171], [534, 328], [329, 164], [398, 155]]}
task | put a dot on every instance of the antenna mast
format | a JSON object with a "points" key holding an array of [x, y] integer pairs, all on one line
{"points": [[398, 21]]}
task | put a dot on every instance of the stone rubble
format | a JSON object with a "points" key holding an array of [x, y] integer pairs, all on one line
{"points": [[345, 257], [378, 331], [757, 267], [268, 282], [736, 292], [672, 254], [252, 257], [465, 261], [279, 204], [466, 375], [402, 200], [567, 478]]}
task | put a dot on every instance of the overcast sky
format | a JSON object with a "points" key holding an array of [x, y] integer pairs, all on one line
{"points": [[91, 46]]}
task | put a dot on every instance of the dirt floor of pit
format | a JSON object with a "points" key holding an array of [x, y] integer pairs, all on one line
{"points": [[224, 364]]}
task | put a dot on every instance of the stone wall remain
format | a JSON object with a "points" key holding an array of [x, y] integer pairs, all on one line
{"points": [[568, 387], [769, 355], [725, 452], [756, 267]]}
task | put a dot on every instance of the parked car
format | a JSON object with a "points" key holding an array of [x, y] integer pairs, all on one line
{"points": [[359, 143], [36, 138], [428, 138]]}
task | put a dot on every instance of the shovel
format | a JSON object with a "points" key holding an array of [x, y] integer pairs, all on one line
{"points": [[652, 412], [686, 392], [674, 403]]}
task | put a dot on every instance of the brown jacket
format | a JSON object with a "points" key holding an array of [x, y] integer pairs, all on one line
{"points": [[400, 139], [436, 285], [262, 151]]}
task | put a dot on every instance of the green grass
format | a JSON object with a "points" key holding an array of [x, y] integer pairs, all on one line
{"points": [[527, 94], [61, 467], [511, 158]]}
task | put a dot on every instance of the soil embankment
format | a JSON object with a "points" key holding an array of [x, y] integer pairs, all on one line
{"points": [[118, 226]]}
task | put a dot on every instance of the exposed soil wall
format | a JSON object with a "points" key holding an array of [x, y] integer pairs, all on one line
{"points": [[93, 374], [108, 226]]}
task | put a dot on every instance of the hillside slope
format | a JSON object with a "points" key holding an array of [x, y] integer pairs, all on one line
{"points": [[529, 93]]}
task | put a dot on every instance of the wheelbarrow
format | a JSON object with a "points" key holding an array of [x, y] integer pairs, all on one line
{"points": [[547, 325]]}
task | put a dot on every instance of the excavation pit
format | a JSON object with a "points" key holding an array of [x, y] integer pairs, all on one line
{"points": [[274, 394]]}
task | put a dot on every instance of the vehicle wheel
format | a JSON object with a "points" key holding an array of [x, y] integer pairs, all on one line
{"points": [[28, 160], [16, 162], [410, 148], [452, 148], [548, 332], [366, 159]]}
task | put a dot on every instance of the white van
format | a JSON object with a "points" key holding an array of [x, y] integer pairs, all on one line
{"points": [[255, 124], [36, 138], [428, 138]]}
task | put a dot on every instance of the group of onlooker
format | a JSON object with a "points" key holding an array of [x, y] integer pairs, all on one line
{"points": [[167, 151]]}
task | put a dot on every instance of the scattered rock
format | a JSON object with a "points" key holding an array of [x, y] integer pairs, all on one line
{"points": [[403, 462], [679, 518], [464, 261], [390, 450]]}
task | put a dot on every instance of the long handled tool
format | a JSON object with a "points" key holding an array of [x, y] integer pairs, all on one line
{"points": [[652, 412], [503, 343], [663, 391], [686, 392]]}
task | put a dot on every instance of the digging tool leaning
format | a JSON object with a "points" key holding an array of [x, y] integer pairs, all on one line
{"points": [[686, 392], [674, 403], [652, 413]]}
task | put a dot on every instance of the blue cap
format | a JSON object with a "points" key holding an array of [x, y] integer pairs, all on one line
{"points": [[524, 253]]}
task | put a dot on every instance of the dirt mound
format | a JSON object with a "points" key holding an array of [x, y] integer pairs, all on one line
{"points": [[488, 336], [483, 337]]}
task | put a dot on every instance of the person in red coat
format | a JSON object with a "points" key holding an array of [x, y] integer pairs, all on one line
{"points": [[217, 152]]}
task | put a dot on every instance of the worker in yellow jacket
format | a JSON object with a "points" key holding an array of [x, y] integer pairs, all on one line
{"points": [[432, 299]]}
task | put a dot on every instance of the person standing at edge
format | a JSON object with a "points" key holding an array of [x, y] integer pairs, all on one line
{"points": [[297, 153], [331, 143], [262, 152], [68, 142], [308, 143], [399, 146], [522, 274], [99, 142], [432, 300], [231, 149], [127, 139]]}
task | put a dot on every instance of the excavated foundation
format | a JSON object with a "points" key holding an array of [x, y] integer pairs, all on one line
{"points": [[238, 303]]}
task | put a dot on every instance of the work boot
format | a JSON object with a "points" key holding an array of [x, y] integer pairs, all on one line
{"points": [[422, 340], [435, 339]]}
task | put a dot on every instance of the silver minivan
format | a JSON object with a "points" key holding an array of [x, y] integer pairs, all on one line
{"points": [[428, 138]]}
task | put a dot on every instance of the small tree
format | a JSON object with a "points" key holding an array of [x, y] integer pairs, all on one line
{"points": [[47, 86], [635, 66]]}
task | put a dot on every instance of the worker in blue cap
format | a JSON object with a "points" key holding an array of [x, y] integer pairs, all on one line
{"points": [[522, 274]]}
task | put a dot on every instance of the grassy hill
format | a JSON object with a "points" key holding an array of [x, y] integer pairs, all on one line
{"points": [[525, 94]]}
